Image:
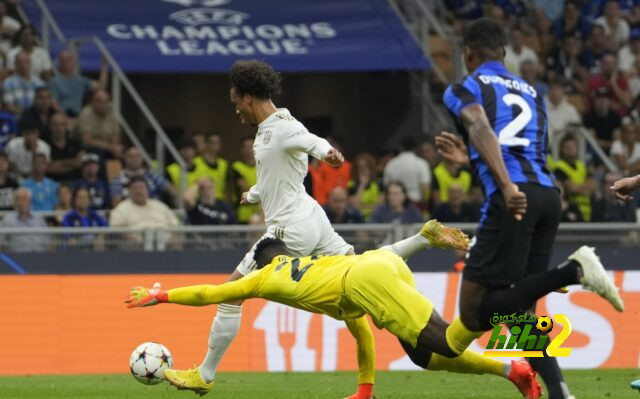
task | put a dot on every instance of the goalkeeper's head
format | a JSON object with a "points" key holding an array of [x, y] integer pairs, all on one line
{"points": [[267, 249]]}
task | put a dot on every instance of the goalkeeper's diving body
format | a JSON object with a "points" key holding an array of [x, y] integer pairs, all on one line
{"points": [[378, 283]]}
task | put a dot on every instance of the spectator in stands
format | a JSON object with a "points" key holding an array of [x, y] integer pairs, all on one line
{"points": [[98, 125], [22, 217], [410, 170], [456, 209], [8, 28], [19, 89], [213, 166], [187, 149], [569, 210], [517, 52], [607, 209], [615, 82], [20, 150], [563, 64], [98, 189], [626, 151], [8, 126], [560, 112], [157, 185], [448, 174], [628, 54], [70, 88], [552, 9], [40, 64], [141, 212], [574, 176], [601, 120], [397, 207], [82, 214], [66, 153], [326, 178], [634, 82], [202, 206], [615, 27], [571, 23], [365, 188], [44, 191], [429, 153], [338, 209], [243, 176], [65, 203], [529, 72], [595, 48], [383, 157], [40, 112], [8, 185], [200, 140]]}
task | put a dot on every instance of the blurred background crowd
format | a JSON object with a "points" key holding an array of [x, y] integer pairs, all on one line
{"points": [[62, 151]]}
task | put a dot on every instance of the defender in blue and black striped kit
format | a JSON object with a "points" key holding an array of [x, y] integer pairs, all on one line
{"points": [[503, 122]]}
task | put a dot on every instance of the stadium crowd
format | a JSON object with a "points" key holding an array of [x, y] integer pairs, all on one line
{"points": [[60, 140]]}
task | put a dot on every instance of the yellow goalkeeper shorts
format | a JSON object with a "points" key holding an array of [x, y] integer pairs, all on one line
{"points": [[381, 284]]}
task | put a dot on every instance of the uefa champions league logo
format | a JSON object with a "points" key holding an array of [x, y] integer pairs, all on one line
{"points": [[206, 13]]}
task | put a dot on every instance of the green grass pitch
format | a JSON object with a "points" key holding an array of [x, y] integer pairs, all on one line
{"points": [[607, 383]]}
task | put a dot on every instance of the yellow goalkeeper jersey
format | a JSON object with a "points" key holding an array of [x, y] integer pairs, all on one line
{"points": [[312, 283]]}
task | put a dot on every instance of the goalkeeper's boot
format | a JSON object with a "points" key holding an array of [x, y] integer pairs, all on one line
{"points": [[595, 278], [524, 378], [441, 236], [190, 380]]}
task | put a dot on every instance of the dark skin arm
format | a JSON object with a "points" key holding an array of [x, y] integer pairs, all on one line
{"points": [[485, 141]]}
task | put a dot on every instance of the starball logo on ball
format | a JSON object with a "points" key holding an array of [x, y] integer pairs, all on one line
{"points": [[525, 341]]}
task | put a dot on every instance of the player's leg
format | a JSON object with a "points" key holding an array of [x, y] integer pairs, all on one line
{"points": [[224, 328], [432, 234], [432, 352], [539, 256], [377, 284]]}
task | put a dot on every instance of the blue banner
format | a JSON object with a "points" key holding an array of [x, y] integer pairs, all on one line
{"points": [[209, 35]]}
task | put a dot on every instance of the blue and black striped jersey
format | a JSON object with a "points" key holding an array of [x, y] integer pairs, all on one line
{"points": [[518, 116]]}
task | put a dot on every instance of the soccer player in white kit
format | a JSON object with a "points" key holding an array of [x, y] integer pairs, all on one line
{"points": [[281, 148]]}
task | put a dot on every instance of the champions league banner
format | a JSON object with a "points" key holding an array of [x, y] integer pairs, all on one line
{"points": [[209, 35]]}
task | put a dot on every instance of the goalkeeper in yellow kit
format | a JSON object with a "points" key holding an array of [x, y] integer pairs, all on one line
{"points": [[377, 283]]}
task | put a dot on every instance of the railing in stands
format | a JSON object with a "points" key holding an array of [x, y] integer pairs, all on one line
{"points": [[119, 79], [363, 236]]}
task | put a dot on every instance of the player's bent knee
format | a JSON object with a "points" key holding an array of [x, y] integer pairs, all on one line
{"points": [[418, 355]]}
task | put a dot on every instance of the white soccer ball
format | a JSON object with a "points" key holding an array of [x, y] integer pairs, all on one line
{"points": [[148, 362]]}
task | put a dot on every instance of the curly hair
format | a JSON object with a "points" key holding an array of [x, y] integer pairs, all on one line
{"points": [[255, 78], [267, 249]]}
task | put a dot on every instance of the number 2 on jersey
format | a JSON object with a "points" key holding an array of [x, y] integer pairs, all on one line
{"points": [[508, 134]]}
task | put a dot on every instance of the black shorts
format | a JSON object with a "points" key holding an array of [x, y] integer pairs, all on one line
{"points": [[505, 250]]}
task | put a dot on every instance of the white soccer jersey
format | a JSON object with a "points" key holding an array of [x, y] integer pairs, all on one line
{"points": [[281, 147]]}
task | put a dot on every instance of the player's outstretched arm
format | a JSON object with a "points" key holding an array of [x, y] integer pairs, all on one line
{"points": [[365, 344], [484, 140], [195, 295], [623, 188]]}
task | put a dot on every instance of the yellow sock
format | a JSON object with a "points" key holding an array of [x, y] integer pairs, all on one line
{"points": [[460, 337], [468, 362]]}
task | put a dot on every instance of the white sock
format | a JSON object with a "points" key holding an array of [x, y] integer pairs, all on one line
{"points": [[409, 246], [223, 330]]}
